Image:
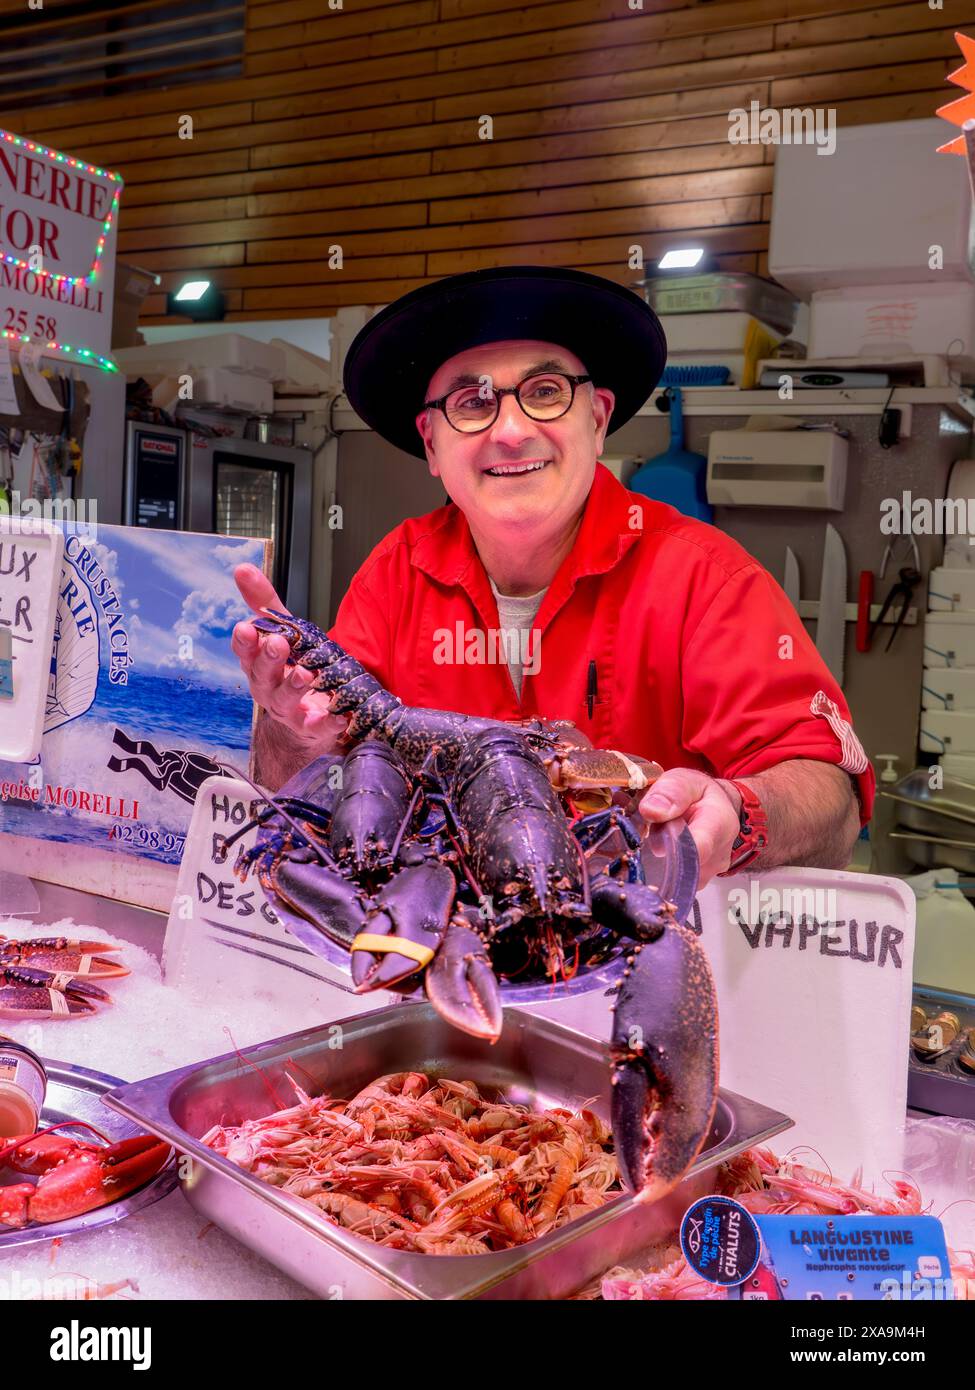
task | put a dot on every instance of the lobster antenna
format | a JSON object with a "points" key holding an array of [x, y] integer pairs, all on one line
{"points": [[279, 809]]}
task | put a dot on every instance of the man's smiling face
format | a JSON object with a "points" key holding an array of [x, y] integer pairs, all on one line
{"points": [[519, 473]]}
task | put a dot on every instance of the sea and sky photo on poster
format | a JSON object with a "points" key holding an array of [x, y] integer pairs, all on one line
{"points": [[146, 699]]}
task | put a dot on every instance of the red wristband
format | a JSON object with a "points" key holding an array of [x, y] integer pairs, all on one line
{"points": [[752, 835]]}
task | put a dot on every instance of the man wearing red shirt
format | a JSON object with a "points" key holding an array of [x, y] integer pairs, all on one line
{"points": [[545, 589]]}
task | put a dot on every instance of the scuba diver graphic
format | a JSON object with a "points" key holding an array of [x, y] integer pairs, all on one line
{"points": [[177, 770]]}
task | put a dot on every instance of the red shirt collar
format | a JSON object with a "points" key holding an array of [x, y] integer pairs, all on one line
{"points": [[448, 554]]}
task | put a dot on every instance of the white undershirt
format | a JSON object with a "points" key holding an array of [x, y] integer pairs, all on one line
{"points": [[516, 616]]}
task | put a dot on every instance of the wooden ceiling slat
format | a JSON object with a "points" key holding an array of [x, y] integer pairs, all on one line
{"points": [[685, 55], [609, 251], [253, 229], [654, 136], [107, 134], [670, 216], [823, 59], [323, 176], [544, 121], [884, 20], [618, 193], [502, 179], [904, 77]]}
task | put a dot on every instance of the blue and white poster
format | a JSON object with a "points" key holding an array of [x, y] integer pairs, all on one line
{"points": [[145, 698]]}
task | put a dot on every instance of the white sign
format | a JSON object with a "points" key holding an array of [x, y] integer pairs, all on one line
{"points": [[223, 939], [58, 222], [30, 575], [813, 970]]}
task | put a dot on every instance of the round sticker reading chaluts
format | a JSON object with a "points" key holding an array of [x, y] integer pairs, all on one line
{"points": [[720, 1240]]}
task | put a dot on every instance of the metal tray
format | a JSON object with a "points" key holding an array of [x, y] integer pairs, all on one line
{"points": [[948, 811], [75, 1093], [536, 1062], [932, 852]]}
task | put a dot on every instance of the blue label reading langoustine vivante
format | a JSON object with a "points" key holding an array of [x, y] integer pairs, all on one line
{"points": [[821, 1259]]}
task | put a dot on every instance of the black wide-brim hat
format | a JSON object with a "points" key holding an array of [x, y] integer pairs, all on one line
{"points": [[608, 327]]}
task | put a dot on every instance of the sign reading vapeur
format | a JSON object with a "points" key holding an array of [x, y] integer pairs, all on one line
{"points": [[58, 219]]}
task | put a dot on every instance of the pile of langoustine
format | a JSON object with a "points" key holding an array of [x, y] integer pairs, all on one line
{"points": [[768, 1185], [430, 1164]]}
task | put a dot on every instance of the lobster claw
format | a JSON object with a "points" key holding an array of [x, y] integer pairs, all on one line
{"points": [[404, 927], [78, 1177], [28, 992], [461, 985], [664, 1043]]}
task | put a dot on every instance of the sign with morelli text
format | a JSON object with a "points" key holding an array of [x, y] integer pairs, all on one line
{"points": [[58, 223]]}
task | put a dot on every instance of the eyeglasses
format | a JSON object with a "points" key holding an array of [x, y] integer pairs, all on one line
{"points": [[545, 396]]}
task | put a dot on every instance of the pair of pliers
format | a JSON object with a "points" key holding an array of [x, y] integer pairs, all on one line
{"points": [[908, 580]]}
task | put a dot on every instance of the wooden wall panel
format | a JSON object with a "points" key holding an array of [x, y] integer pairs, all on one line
{"points": [[360, 127]]}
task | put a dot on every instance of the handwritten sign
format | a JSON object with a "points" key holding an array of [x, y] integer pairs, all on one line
{"points": [[58, 219], [223, 938], [30, 571]]}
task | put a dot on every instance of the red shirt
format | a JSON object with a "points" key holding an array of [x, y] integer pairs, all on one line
{"points": [[701, 660]]}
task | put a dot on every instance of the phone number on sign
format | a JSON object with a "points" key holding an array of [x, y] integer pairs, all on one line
{"points": [[163, 840]]}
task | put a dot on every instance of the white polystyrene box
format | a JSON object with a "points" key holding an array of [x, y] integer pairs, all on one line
{"points": [[949, 688], [234, 352], [868, 213], [949, 639], [960, 765], [951, 589], [947, 730], [881, 321]]}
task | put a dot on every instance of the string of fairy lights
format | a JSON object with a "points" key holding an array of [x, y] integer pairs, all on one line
{"points": [[83, 354]]}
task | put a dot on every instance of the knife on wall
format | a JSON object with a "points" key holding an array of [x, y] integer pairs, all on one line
{"points": [[831, 626]]}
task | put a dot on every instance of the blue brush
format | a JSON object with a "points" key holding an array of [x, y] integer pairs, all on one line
{"points": [[676, 476], [695, 376]]}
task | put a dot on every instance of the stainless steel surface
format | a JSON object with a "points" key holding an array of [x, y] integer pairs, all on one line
{"points": [[934, 852], [140, 925], [75, 1093], [18, 896], [913, 815], [953, 801], [536, 1061], [831, 624]]}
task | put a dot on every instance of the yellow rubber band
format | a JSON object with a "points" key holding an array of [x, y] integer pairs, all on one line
{"points": [[372, 941]]}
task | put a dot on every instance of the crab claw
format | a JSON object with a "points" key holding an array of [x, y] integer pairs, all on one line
{"points": [[404, 927], [664, 1043], [461, 985]]}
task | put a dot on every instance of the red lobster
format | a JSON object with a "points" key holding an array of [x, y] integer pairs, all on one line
{"points": [[73, 1175], [445, 854]]}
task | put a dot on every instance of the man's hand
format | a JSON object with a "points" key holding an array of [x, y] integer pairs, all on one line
{"points": [[281, 690], [711, 817]]}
